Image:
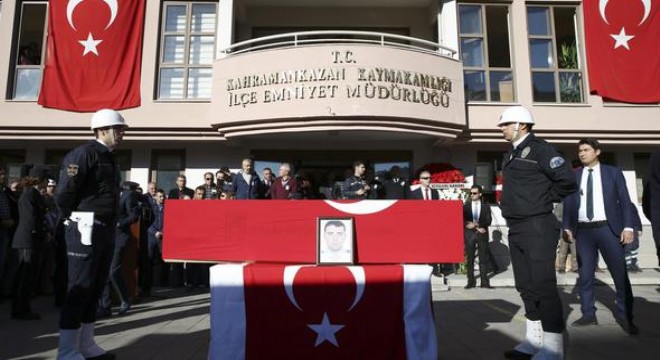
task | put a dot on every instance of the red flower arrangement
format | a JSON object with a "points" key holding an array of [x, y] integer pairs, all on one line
{"points": [[499, 180], [441, 173]]}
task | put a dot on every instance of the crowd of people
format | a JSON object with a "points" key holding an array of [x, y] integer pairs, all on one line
{"points": [[46, 246]]}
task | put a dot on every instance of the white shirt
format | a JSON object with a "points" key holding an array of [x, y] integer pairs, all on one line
{"points": [[519, 141], [426, 193], [599, 203], [476, 209]]}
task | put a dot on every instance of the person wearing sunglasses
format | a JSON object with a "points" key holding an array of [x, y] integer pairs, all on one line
{"points": [[477, 218], [424, 191], [210, 188]]}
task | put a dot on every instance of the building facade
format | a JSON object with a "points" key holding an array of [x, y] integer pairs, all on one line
{"points": [[321, 83]]}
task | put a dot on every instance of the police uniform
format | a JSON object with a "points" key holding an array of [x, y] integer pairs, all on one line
{"points": [[89, 182], [352, 185], [535, 176]]}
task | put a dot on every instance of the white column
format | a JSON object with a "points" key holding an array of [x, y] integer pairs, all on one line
{"points": [[225, 29], [448, 25]]}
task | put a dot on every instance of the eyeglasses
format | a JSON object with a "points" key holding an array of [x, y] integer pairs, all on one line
{"points": [[209, 178], [474, 193], [425, 178]]}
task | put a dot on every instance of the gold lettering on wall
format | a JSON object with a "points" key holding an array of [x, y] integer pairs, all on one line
{"points": [[344, 80]]}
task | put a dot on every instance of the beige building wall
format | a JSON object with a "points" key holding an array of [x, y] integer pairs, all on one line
{"points": [[625, 129]]}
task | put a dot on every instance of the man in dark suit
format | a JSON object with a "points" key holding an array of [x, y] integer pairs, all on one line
{"points": [[651, 199], [181, 191], [395, 186], [424, 191], [600, 217], [477, 219], [128, 214], [155, 231], [266, 183]]}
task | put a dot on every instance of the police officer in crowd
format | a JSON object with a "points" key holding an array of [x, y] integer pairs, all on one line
{"points": [[534, 176], [356, 186], [89, 182]]}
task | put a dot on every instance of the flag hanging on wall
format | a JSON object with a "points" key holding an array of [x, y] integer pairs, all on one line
{"points": [[623, 55], [94, 55]]}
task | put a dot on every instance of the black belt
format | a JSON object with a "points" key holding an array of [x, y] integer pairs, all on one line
{"points": [[592, 224]]}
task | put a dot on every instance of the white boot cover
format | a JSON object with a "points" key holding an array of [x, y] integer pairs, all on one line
{"points": [[68, 345], [533, 338], [88, 347], [553, 347]]}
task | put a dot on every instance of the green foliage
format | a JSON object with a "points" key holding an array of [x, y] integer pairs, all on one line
{"points": [[570, 83], [568, 58]]}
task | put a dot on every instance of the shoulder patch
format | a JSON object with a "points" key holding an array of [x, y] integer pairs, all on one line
{"points": [[72, 170], [556, 162]]}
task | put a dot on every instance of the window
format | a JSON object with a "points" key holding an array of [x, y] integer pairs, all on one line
{"points": [[29, 49], [166, 166], [486, 54], [554, 55], [187, 50], [491, 157], [13, 161]]}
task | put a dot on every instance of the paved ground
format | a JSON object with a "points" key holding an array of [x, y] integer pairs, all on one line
{"points": [[472, 324]]}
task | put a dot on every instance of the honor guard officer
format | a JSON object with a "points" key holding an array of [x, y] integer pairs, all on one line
{"points": [[535, 176], [89, 183]]}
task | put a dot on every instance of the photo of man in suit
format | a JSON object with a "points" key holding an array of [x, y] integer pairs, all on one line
{"points": [[600, 217], [477, 219], [334, 247]]}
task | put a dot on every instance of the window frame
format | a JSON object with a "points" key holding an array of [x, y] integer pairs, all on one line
{"points": [[15, 66], [486, 68], [187, 34], [555, 69], [153, 170]]}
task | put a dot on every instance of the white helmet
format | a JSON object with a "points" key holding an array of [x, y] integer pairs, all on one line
{"points": [[107, 118], [516, 114]]}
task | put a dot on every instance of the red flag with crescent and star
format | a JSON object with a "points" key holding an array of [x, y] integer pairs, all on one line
{"points": [[94, 55], [272, 311], [623, 55]]}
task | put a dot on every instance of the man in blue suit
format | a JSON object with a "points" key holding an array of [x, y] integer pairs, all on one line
{"points": [[600, 217], [246, 183]]}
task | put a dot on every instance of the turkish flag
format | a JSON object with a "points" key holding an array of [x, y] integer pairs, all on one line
{"points": [[94, 55], [386, 231], [623, 55], [262, 311]]}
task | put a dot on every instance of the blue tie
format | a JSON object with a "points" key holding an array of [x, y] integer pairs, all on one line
{"points": [[590, 195]]}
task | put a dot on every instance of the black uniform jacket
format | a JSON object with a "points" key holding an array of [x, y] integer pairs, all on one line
{"points": [[89, 182], [534, 176]]}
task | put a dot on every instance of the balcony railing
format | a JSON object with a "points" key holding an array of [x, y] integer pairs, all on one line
{"points": [[296, 39]]}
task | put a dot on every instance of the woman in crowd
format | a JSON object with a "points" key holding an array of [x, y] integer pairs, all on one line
{"points": [[31, 233]]}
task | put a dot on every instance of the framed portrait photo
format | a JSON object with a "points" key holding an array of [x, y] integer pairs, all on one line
{"points": [[334, 240]]}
